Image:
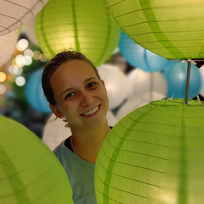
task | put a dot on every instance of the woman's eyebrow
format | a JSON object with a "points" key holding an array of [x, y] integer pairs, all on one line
{"points": [[89, 79]]}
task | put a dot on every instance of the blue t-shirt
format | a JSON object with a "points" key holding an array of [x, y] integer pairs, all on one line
{"points": [[80, 174]]}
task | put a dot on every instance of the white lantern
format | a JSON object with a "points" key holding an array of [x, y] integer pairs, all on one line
{"points": [[116, 84], [55, 132], [130, 105], [29, 28], [7, 46], [112, 120], [149, 85], [202, 75], [16, 12]]}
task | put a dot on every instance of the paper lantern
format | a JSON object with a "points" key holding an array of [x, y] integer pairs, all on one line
{"points": [[129, 105], [34, 92], [116, 84], [155, 154], [7, 46], [175, 75], [29, 28], [167, 28], [55, 131], [151, 86], [140, 57], [84, 26], [202, 75], [30, 172], [112, 120], [15, 13]]}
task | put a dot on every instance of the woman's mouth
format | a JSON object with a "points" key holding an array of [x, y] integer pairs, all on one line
{"points": [[94, 110]]}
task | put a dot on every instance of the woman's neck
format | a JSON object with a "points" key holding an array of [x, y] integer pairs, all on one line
{"points": [[87, 143]]}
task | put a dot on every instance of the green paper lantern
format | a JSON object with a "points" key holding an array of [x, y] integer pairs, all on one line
{"points": [[154, 155], [85, 26], [172, 29], [29, 171]]}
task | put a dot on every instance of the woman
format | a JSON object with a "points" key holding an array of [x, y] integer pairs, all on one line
{"points": [[76, 94]]}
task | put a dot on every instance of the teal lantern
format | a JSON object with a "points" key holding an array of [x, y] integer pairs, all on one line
{"points": [[29, 171], [34, 92], [140, 57], [172, 29], [154, 155], [85, 26], [176, 76]]}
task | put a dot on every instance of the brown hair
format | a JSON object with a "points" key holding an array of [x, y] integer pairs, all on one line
{"points": [[54, 64]]}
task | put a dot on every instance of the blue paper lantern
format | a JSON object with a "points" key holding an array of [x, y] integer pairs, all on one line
{"points": [[140, 57], [34, 92], [176, 74]]}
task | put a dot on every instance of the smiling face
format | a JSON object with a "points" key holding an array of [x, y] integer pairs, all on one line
{"points": [[80, 95]]}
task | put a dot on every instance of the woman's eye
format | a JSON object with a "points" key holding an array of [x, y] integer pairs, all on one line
{"points": [[92, 84], [69, 95]]}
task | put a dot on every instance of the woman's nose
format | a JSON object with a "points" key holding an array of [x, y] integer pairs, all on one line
{"points": [[86, 98]]}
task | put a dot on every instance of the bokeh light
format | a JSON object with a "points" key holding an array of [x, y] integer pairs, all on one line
{"points": [[2, 89], [36, 55], [20, 60], [28, 60], [28, 52], [20, 81], [2, 76], [22, 44], [15, 70]]}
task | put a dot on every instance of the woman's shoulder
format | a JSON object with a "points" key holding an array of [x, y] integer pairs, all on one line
{"points": [[59, 148]]}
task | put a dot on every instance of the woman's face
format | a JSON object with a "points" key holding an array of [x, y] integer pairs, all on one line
{"points": [[80, 95]]}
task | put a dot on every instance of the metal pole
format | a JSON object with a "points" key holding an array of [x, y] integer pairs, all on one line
{"points": [[187, 81]]}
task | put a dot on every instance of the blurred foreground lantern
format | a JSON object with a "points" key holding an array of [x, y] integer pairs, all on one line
{"points": [[15, 13], [176, 74], [84, 26], [172, 29], [7, 46], [34, 92], [154, 155], [140, 57], [30, 172]]}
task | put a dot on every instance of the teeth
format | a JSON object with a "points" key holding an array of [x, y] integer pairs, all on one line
{"points": [[91, 111]]}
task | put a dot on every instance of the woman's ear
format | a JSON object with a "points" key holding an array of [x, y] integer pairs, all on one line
{"points": [[56, 111], [103, 83]]}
